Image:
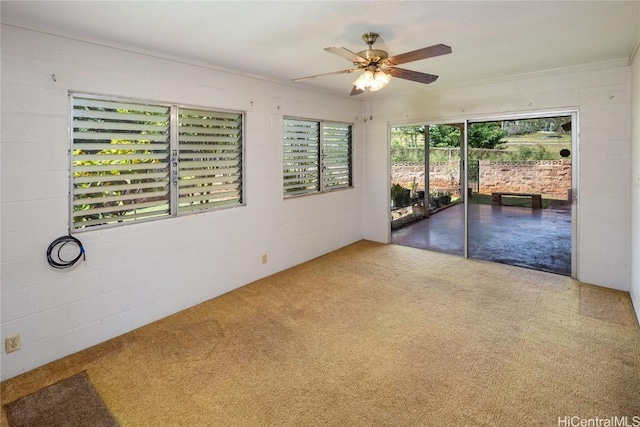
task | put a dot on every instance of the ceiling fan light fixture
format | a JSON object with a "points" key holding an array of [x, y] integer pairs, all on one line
{"points": [[372, 81], [364, 81], [382, 77]]}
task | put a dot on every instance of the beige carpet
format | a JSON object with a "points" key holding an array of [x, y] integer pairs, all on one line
{"points": [[375, 335]]}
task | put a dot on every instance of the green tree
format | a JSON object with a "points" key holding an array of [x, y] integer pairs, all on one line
{"points": [[486, 135], [407, 144], [481, 135], [444, 136]]}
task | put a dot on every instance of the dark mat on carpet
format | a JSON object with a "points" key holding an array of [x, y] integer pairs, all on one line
{"points": [[70, 402]]}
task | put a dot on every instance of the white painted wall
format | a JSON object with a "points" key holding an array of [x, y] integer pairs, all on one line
{"points": [[139, 273], [635, 179], [601, 92]]}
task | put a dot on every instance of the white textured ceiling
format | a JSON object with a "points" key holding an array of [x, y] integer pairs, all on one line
{"points": [[283, 40]]}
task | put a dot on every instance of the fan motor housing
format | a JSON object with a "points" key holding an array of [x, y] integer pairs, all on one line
{"points": [[373, 55]]}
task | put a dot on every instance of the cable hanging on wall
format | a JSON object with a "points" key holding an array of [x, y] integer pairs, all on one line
{"points": [[54, 252]]}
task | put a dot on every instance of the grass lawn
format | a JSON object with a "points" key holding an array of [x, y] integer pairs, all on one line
{"points": [[524, 202]]}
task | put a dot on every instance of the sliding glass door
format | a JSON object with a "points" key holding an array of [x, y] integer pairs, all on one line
{"points": [[426, 166], [520, 208], [496, 190]]}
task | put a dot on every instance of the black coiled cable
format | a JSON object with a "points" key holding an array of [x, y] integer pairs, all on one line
{"points": [[53, 256]]}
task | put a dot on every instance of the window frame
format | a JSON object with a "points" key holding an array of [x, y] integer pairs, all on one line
{"points": [[322, 187], [173, 153]]}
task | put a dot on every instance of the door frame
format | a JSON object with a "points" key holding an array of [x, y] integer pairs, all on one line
{"points": [[574, 113]]}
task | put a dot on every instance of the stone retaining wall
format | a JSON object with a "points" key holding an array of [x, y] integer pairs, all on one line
{"points": [[547, 177]]}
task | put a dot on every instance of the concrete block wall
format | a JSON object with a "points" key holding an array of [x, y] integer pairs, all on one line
{"points": [[547, 177], [600, 93], [139, 273]]}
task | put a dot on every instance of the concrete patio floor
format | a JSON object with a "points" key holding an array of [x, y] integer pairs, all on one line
{"points": [[539, 239]]}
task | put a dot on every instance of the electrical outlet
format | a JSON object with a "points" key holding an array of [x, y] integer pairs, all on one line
{"points": [[265, 259], [12, 343]]}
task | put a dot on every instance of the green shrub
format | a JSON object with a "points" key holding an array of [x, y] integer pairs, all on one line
{"points": [[400, 196]]}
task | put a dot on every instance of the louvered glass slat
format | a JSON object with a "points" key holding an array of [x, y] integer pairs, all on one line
{"points": [[142, 116], [101, 199], [118, 173], [297, 159], [88, 146], [312, 172], [210, 139], [220, 148], [305, 176], [299, 140], [302, 177], [300, 191], [95, 134], [311, 184], [188, 189], [122, 158], [108, 179], [191, 198], [302, 146], [210, 180], [115, 168], [118, 211], [155, 127], [120, 187], [208, 164], [221, 172], [222, 128], [336, 176], [208, 205], [221, 156], [300, 154], [210, 167], [99, 103], [160, 211], [203, 117], [192, 115], [301, 163], [337, 168]]}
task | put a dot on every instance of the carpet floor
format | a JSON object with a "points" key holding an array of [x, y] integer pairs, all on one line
{"points": [[70, 402], [374, 335]]}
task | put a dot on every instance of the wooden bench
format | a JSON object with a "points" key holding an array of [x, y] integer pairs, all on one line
{"points": [[536, 199]]}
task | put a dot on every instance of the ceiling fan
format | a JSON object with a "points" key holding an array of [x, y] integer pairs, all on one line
{"points": [[378, 67]]}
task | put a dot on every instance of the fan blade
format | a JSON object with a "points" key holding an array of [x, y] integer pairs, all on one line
{"points": [[347, 54], [327, 74], [356, 91], [424, 53], [412, 75]]}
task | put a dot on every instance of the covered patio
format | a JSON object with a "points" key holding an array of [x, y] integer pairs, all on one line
{"points": [[539, 239]]}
